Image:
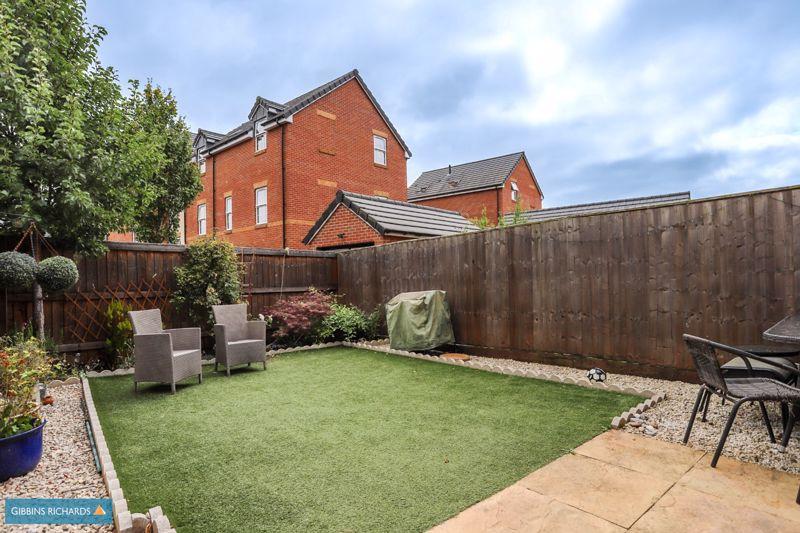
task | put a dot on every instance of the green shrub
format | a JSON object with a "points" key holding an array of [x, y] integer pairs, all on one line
{"points": [[56, 274], [17, 271], [294, 320], [22, 366], [347, 323], [119, 344], [211, 275]]}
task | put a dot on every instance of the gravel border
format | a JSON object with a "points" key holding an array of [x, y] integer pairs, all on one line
{"points": [[67, 469]]}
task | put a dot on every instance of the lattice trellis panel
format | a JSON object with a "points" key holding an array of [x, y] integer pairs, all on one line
{"points": [[84, 310]]}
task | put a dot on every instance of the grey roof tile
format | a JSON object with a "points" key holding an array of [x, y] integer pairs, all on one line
{"points": [[457, 179], [296, 104], [538, 215], [392, 216]]}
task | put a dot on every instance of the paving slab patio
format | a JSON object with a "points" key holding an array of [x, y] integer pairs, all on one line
{"points": [[619, 481]]}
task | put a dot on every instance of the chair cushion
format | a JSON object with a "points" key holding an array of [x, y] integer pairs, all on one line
{"points": [[737, 368]]}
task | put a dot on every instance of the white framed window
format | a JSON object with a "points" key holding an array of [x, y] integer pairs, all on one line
{"points": [[379, 149], [201, 219], [229, 213], [514, 192], [261, 205], [261, 137], [201, 162]]}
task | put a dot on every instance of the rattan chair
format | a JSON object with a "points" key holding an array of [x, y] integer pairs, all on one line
{"points": [[738, 390], [164, 355], [238, 340]]}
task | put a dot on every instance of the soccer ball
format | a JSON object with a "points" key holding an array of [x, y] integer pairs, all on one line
{"points": [[596, 374]]}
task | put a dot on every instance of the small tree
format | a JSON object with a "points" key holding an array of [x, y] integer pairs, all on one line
{"points": [[61, 126], [170, 181], [210, 276]]}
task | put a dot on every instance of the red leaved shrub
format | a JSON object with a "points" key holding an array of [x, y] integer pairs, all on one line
{"points": [[295, 319]]}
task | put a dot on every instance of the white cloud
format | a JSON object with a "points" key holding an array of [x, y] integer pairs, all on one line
{"points": [[776, 125]]}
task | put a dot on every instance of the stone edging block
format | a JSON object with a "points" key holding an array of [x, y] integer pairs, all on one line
{"points": [[617, 422], [124, 521]]}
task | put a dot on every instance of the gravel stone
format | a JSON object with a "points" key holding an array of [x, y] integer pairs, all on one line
{"points": [[67, 469]]}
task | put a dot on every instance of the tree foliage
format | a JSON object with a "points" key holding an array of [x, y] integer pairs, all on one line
{"points": [[171, 181], [76, 156], [61, 125]]}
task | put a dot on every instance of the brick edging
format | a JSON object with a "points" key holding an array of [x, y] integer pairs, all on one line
{"points": [[124, 521], [617, 422]]}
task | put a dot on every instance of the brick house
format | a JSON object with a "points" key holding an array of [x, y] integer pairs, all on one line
{"points": [[355, 220], [267, 181], [496, 184]]}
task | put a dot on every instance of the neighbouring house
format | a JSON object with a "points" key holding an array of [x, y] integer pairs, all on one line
{"points": [[356, 220], [268, 180], [496, 185], [539, 215]]}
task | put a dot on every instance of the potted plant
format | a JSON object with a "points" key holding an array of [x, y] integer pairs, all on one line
{"points": [[23, 364]]}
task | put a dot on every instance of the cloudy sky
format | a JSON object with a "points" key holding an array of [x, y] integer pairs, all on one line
{"points": [[608, 98]]}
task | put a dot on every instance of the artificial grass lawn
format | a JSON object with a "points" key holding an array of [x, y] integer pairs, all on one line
{"points": [[338, 440]]}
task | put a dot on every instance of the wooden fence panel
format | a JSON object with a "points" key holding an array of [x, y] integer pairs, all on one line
{"points": [[615, 289], [142, 276]]}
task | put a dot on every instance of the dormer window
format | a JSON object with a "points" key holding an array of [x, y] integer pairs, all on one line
{"points": [[201, 162], [261, 137], [514, 191]]}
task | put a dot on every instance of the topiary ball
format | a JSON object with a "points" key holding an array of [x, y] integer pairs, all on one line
{"points": [[57, 274], [17, 271]]}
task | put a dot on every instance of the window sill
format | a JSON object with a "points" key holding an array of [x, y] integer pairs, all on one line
{"points": [[262, 225], [228, 231], [259, 152], [379, 165]]}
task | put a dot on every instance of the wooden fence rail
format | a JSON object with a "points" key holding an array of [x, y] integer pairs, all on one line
{"points": [[141, 275], [617, 290]]}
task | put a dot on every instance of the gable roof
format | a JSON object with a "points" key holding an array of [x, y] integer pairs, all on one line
{"points": [[394, 217], [298, 103], [210, 137], [538, 215], [467, 177]]}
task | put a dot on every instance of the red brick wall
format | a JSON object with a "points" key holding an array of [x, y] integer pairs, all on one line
{"points": [[471, 205], [239, 172], [120, 237], [355, 231], [530, 196], [328, 147]]}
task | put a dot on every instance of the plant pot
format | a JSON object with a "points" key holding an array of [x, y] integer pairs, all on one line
{"points": [[20, 453]]}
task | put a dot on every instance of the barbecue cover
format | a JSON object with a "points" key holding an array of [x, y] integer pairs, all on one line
{"points": [[419, 320]]}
